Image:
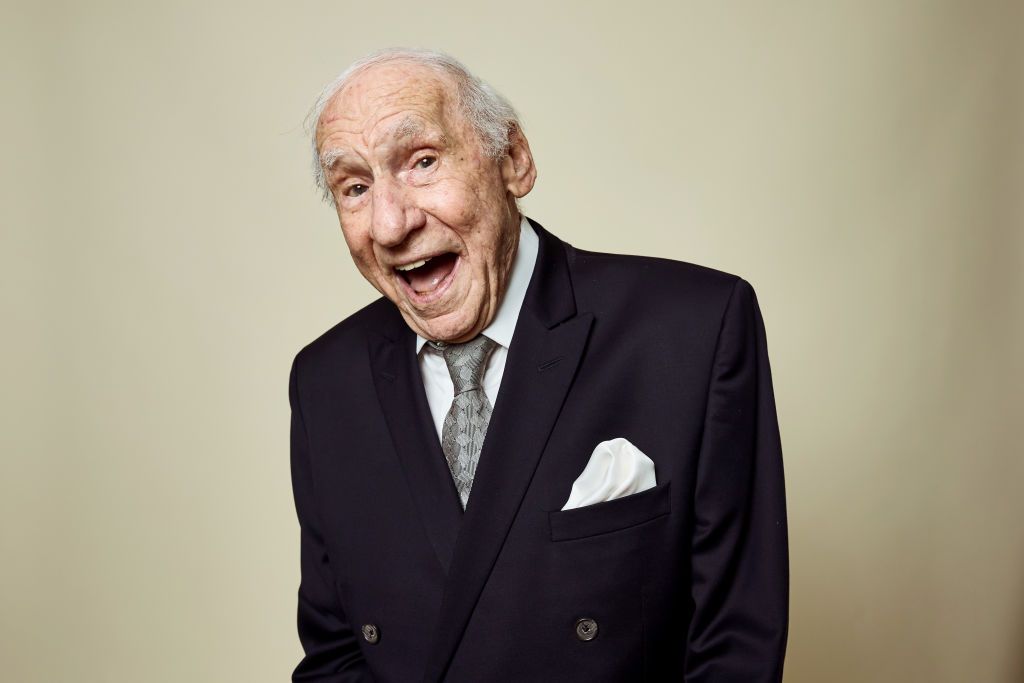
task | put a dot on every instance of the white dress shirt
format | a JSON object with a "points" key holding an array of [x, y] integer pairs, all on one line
{"points": [[437, 381]]}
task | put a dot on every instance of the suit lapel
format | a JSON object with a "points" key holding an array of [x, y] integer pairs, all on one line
{"points": [[399, 384], [545, 351]]}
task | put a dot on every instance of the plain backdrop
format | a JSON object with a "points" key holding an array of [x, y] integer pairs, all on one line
{"points": [[164, 255]]}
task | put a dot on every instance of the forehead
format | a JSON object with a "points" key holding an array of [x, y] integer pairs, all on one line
{"points": [[377, 103]]}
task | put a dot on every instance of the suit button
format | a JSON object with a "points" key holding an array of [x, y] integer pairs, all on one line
{"points": [[371, 633], [586, 629]]}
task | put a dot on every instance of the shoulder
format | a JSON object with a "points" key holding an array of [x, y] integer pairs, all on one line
{"points": [[650, 287], [352, 333], [640, 269]]}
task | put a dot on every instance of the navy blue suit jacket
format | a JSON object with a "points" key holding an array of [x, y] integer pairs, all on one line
{"points": [[686, 581]]}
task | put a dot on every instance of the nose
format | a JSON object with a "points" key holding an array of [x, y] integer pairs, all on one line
{"points": [[394, 212]]}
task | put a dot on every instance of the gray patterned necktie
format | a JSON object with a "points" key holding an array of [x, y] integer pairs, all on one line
{"points": [[465, 425]]}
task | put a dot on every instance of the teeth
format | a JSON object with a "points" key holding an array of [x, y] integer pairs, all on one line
{"points": [[410, 266]]}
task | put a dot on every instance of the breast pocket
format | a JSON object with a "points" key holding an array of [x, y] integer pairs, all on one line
{"points": [[610, 515]]}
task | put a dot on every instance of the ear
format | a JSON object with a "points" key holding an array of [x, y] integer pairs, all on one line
{"points": [[517, 169]]}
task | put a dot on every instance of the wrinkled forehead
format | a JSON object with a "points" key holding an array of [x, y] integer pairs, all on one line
{"points": [[389, 100]]}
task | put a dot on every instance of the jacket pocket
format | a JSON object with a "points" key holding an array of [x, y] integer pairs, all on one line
{"points": [[610, 515]]}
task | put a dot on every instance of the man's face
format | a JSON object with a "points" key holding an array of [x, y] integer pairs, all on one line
{"points": [[412, 182]]}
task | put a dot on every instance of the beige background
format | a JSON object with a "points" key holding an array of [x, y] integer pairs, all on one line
{"points": [[164, 256]]}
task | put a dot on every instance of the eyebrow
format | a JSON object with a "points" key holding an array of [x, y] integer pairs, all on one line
{"points": [[330, 157], [407, 128]]}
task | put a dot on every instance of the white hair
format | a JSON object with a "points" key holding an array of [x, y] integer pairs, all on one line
{"points": [[490, 114]]}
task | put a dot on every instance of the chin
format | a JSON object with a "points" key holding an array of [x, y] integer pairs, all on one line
{"points": [[455, 325]]}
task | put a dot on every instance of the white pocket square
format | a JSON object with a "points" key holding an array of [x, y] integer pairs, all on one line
{"points": [[616, 468]]}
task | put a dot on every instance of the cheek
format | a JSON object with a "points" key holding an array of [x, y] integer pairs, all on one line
{"points": [[468, 195], [453, 202], [359, 244]]}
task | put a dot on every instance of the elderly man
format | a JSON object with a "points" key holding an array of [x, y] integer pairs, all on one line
{"points": [[624, 518]]}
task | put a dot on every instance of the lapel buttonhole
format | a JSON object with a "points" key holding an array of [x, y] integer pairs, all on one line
{"points": [[549, 364]]}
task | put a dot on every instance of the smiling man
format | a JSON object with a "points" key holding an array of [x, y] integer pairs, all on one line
{"points": [[525, 461]]}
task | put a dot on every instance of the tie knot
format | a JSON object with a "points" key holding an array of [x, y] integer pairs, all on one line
{"points": [[466, 361]]}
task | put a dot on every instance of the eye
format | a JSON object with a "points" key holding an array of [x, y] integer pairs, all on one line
{"points": [[355, 190], [426, 162]]}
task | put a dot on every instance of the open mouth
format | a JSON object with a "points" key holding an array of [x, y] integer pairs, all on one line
{"points": [[429, 275]]}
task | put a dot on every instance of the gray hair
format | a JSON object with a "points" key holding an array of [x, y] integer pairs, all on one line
{"points": [[490, 114]]}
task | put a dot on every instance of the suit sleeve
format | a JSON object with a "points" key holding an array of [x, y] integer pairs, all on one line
{"points": [[331, 649], [739, 548]]}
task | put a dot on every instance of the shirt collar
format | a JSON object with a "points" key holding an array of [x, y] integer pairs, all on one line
{"points": [[504, 322]]}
